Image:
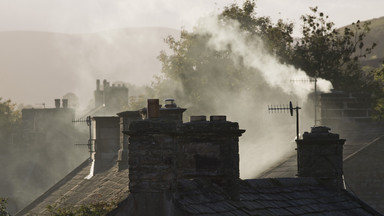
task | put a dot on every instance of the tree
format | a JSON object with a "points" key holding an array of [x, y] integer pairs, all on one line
{"points": [[10, 119], [325, 52], [3, 207], [203, 73], [95, 209], [378, 107], [277, 37]]}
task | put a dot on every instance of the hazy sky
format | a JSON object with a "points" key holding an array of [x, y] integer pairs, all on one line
{"points": [[71, 16], [85, 16]]}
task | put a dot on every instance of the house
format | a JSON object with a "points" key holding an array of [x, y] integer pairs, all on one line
{"points": [[162, 166], [351, 114], [46, 136], [109, 99]]}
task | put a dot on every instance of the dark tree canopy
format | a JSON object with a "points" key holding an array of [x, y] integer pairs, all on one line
{"points": [[325, 52], [322, 51], [10, 119]]}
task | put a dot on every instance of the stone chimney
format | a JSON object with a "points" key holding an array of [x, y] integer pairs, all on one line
{"points": [[125, 120], [151, 152], [209, 149], [320, 155], [107, 141], [171, 112], [57, 103], [162, 150]]}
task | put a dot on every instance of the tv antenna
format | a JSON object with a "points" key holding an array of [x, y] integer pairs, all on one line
{"points": [[314, 80], [284, 108], [88, 120]]}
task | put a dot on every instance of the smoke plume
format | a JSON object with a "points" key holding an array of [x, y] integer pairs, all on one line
{"points": [[269, 137]]}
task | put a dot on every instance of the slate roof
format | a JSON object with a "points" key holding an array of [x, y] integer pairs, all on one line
{"points": [[268, 196], [355, 142], [283, 196], [74, 190], [362, 166]]}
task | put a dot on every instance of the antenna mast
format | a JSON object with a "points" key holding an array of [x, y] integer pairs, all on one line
{"points": [[283, 108], [88, 120], [314, 80]]}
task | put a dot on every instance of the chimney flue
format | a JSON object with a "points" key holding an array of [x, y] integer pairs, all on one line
{"points": [[320, 155], [57, 103], [65, 103], [170, 103], [198, 118], [97, 85]]}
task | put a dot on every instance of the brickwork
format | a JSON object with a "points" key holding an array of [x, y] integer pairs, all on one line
{"points": [[210, 149], [320, 155], [160, 152], [340, 108], [151, 156]]}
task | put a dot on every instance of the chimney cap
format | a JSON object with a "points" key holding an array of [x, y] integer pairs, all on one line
{"points": [[320, 132], [218, 118], [170, 103], [198, 118]]}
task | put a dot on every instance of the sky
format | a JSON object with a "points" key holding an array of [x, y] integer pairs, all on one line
{"points": [[89, 16], [74, 16]]}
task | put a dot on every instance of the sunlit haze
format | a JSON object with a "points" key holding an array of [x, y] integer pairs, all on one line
{"points": [[72, 16], [28, 67]]}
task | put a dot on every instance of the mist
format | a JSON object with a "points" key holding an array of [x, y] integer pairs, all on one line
{"points": [[122, 56], [269, 137]]}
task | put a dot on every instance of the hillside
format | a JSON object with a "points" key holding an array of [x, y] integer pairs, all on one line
{"points": [[37, 67], [375, 35]]}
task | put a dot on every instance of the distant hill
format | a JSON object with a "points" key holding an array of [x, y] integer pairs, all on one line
{"points": [[375, 35], [37, 67]]}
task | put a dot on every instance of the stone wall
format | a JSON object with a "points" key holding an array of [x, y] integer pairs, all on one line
{"points": [[210, 149], [160, 152], [341, 108], [151, 156]]}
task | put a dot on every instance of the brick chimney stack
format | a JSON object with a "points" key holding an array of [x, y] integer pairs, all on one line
{"points": [[57, 103], [107, 130], [162, 150], [209, 149], [320, 155], [125, 120]]}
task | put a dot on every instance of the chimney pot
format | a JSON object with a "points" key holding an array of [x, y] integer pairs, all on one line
{"points": [[170, 103], [57, 103], [153, 108], [218, 118], [98, 85], [65, 103], [198, 118]]}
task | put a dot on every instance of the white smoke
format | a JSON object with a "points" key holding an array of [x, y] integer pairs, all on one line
{"points": [[269, 138]]}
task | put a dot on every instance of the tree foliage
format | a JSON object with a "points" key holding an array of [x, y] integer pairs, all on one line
{"points": [[325, 52], [10, 119], [379, 96], [95, 209], [322, 51], [276, 36], [203, 72], [3, 207]]}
